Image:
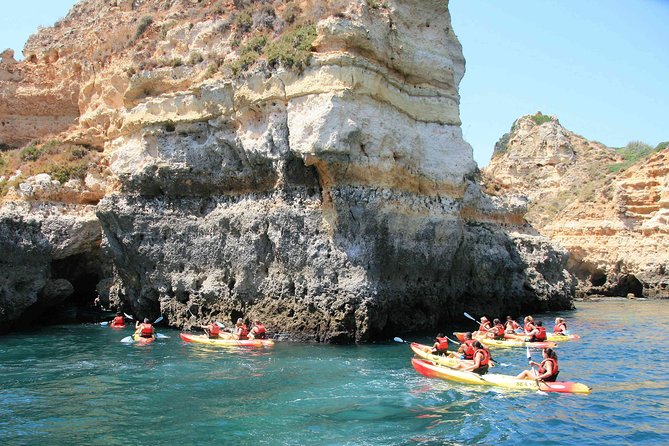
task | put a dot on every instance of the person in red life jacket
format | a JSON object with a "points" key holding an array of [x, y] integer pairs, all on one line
{"points": [[560, 327], [118, 321], [497, 330], [241, 331], [548, 368], [484, 326], [213, 331], [258, 331], [481, 360], [510, 326], [440, 346], [466, 349], [145, 329], [529, 325], [538, 334]]}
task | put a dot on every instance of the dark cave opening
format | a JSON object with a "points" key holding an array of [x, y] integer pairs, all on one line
{"points": [[628, 284], [84, 273], [598, 278]]}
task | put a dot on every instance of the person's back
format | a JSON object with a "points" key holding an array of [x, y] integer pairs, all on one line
{"points": [[145, 329]]}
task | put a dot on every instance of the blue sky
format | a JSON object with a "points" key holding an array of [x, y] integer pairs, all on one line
{"points": [[600, 66]]}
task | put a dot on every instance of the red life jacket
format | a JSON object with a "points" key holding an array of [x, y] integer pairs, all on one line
{"points": [[118, 320], [484, 326], [486, 356], [242, 331], [259, 331], [543, 370], [560, 328], [498, 331], [529, 326], [443, 344], [541, 336], [214, 330], [469, 350], [146, 330]]}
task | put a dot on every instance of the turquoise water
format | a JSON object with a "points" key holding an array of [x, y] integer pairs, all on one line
{"points": [[78, 385]]}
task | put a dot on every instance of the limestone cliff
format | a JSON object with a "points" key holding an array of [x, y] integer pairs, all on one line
{"points": [[300, 162], [613, 223]]}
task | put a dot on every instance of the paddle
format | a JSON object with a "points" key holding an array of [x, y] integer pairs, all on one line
{"points": [[538, 380], [400, 340], [469, 316], [128, 316], [104, 324]]}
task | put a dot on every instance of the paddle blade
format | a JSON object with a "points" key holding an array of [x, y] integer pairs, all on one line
{"points": [[529, 356], [104, 324], [127, 339], [161, 336], [400, 340], [158, 320], [469, 316], [127, 315], [220, 324]]}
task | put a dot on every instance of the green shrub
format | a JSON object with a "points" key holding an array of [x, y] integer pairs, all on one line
{"points": [[631, 153], [539, 118], [144, 23], [293, 49], [243, 22], [195, 58], [661, 146], [31, 153], [63, 173], [244, 62]]}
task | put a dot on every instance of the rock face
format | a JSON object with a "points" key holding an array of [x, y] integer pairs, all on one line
{"points": [[338, 203], [614, 224]]}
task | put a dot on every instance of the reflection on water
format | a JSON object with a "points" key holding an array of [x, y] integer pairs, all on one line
{"points": [[80, 385]]}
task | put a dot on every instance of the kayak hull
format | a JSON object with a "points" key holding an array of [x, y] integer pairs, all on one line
{"points": [[117, 326], [507, 343], [203, 339], [140, 340], [551, 337], [510, 343], [430, 370], [425, 352]]}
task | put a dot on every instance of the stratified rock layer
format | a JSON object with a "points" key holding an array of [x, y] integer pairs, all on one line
{"points": [[336, 204], [614, 225]]}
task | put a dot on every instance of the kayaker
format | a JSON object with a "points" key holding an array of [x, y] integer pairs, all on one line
{"points": [[440, 346], [481, 360], [484, 326], [497, 330], [118, 320], [538, 334], [560, 327], [510, 326], [467, 347], [258, 330], [213, 331], [145, 329], [529, 325], [548, 368], [241, 330]]}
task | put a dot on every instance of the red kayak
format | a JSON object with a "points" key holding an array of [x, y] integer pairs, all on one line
{"points": [[117, 325]]}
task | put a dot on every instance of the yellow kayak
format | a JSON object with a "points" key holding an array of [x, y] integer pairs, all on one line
{"points": [[551, 337], [508, 343], [430, 370], [220, 342], [425, 352]]}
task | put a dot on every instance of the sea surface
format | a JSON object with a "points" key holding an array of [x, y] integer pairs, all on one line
{"points": [[78, 385]]}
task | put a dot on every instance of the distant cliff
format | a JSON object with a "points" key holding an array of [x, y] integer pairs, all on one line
{"points": [[610, 214], [290, 161]]}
